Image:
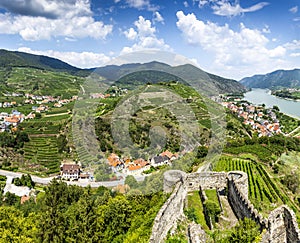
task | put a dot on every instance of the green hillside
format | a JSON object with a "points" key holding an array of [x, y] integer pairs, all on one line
{"points": [[209, 83], [39, 82], [275, 80], [20, 59]]}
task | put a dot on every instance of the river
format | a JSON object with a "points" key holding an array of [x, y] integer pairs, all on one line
{"points": [[263, 96]]}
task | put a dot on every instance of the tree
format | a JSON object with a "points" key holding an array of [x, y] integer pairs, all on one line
{"points": [[245, 232], [82, 220], [212, 210], [131, 182], [62, 143], [14, 227], [11, 199], [191, 214], [202, 152], [292, 181], [53, 223], [21, 138]]}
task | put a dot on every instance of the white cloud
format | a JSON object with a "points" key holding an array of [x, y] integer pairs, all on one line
{"points": [[69, 22], [227, 9], [158, 17], [233, 51], [293, 45], [131, 34], [144, 34], [77, 59], [295, 54], [294, 9], [141, 4], [186, 4]]}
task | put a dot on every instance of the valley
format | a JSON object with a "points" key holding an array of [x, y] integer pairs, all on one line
{"points": [[170, 126]]}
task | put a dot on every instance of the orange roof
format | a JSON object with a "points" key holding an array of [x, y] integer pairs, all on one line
{"points": [[127, 160], [113, 160], [140, 162], [167, 153], [115, 163], [11, 119], [134, 167]]}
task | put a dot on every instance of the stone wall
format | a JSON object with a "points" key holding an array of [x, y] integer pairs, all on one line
{"points": [[196, 233], [240, 204], [281, 225], [170, 212], [207, 180]]}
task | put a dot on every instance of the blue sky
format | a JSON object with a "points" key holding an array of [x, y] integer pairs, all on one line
{"points": [[233, 39]]}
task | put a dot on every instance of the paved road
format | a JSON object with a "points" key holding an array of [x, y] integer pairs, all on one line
{"points": [[83, 183]]}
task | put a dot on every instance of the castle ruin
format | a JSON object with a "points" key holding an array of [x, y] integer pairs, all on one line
{"points": [[280, 227]]}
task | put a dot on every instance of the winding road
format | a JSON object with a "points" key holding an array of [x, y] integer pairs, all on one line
{"points": [[83, 182]]}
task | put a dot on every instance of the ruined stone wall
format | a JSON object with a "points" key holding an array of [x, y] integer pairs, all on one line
{"points": [[240, 204], [168, 215], [282, 227], [207, 180], [196, 233]]}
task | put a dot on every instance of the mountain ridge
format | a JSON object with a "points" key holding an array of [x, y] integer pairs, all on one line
{"points": [[274, 80], [187, 72]]}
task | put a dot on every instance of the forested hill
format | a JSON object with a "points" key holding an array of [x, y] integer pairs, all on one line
{"points": [[12, 60], [187, 72], [275, 80], [9, 59]]}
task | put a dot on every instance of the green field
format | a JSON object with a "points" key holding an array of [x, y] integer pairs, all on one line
{"points": [[195, 205], [263, 192]]}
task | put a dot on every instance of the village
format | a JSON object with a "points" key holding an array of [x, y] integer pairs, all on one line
{"points": [[40, 104], [262, 120]]}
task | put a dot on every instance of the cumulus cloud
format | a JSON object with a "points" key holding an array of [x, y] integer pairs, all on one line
{"points": [[77, 59], [185, 4], [130, 34], [145, 36], [294, 9], [232, 50], [158, 17], [69, 19]]}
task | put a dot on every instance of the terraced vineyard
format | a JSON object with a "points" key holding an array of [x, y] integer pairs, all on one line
{"points": [[43, 82], [42, 150], [263, 192]]}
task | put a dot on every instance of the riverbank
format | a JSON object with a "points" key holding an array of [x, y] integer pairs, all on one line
{"points": [[288, 94], [264, 96]]}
